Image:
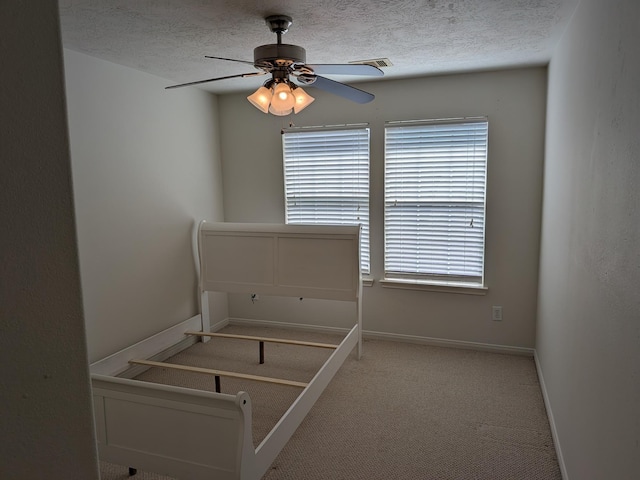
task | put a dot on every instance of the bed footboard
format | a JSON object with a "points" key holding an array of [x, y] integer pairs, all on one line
{"points": [[178, 431]]}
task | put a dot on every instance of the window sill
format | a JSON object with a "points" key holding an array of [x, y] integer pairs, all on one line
{"points": [[367, 281], [432, 286]]}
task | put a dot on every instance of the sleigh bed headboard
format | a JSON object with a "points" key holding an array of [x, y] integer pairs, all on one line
{"points": [[309, 261]]}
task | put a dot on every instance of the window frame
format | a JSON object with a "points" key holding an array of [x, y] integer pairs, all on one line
{"points": [[363, 130], [434, 280]]}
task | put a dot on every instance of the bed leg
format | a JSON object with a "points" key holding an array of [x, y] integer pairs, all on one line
{"points": [[261, 353], [132, 471], [217, 378]]}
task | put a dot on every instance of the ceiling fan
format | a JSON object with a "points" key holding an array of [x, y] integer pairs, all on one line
{"points": [[279, 95]]}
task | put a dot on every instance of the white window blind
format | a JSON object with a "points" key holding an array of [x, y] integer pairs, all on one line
{"points": [[326, 179], [435, 178]]}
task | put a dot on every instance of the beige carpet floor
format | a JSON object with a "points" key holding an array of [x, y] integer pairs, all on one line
{"points": [[403, 411]]}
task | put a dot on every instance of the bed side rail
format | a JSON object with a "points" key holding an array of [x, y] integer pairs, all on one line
{"points": [[275, 441]]}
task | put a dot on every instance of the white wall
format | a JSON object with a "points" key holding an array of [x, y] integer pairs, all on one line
{"points": [[588, 333], [46, 422], [146, 167], [513, 100]]}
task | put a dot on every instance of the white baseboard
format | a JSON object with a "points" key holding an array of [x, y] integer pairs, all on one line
{"points": [[162, 344], [552, 423], [442, 342], [396, 337], [219, 326]]}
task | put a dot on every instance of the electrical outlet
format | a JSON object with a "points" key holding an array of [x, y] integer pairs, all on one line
{"points": [[497, 313]]}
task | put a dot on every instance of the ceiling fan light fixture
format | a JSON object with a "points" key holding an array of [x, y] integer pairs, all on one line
{"points": [[261, 99], [280, 99], [303, 99]]}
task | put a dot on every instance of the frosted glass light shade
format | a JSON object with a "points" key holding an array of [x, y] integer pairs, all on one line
{"points": [[279, 112], [282, 97], [261, 99], [303, 100]]}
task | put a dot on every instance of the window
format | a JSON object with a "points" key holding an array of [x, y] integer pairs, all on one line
{"points": [[326, 179], [435, 177]]}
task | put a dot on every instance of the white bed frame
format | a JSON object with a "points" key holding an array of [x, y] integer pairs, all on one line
{"points": [[194, 434]]}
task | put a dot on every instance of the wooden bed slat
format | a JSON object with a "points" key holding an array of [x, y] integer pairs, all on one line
{"points": [[265, 339], [222, 373]]}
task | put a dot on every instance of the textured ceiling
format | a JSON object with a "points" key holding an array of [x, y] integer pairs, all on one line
{"points": [[169, 38]]}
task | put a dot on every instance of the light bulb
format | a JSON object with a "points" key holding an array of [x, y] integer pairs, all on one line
{"points": [[282, 98]]}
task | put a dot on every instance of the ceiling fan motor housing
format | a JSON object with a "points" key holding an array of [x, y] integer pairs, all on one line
{"points": [[279, 55]]}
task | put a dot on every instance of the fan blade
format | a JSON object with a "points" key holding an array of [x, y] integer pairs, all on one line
{"points": [[346, 69], [253, 74], [346, 91], [229, 59]]}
